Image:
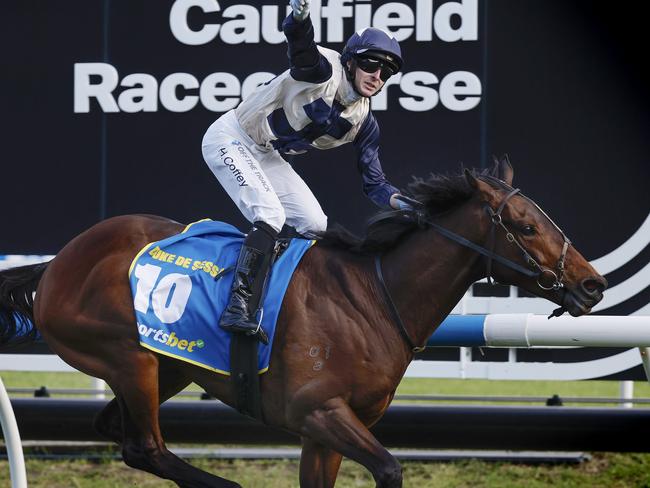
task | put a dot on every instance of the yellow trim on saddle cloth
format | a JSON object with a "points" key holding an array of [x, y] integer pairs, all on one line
{"points": [[201, 365], [181, 358], [187, 227], [137, 256], [147, 246]]}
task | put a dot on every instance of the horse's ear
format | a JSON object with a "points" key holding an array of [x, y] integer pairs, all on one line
{"points": [[471, 179], [495, 167], [505, 171], [487, 192]]}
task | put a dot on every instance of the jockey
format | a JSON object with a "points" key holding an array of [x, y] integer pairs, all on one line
{"points": [[321, 102]]}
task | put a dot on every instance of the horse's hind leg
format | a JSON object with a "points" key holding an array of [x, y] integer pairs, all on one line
{"points": [[172, 378], [319, 465], [143, 446]]}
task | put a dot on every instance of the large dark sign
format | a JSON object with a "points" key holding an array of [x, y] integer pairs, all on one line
{"points": [[105, 104]]}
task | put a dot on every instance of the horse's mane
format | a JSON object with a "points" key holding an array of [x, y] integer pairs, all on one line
{"points": [[439, 193]]}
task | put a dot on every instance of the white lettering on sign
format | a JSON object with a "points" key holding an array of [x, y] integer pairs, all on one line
{"points": [[102, 90], [457, 91], [99, 84], [451, 21]]}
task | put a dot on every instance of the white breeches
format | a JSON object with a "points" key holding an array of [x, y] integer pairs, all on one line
{"points": [[260, 182]]}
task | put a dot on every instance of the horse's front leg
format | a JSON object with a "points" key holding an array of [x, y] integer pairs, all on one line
{"points": [[336, 426], [319, 465]]}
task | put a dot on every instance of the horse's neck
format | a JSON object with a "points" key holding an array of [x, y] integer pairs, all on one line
{"points": [[428, 274]]}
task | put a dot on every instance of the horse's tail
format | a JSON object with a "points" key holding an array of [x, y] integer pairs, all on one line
{"points": [[17, 287]]}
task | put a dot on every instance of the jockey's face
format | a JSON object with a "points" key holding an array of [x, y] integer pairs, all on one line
{"points": [[367, 84]]}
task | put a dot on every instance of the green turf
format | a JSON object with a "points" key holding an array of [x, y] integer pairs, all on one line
{"points": [[602, 471], [32, 379], [545, 389], [419, 386]]}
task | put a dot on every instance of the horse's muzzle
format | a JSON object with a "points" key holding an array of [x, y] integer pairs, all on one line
{"points": [[581, 299]]}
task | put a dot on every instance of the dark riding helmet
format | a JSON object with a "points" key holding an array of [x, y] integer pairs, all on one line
{"points": [[372, 43]]}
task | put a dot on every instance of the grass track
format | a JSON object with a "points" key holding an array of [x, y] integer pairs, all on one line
{"points": [[604, 470]]}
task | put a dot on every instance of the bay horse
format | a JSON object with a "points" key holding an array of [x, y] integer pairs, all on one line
{"points": [[365, 304]]}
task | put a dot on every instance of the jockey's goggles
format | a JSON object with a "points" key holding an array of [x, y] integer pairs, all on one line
{"points": [[371, 65]]}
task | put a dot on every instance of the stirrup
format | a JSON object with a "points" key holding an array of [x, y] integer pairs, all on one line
{"points": [[259, 334], [244, 327]]}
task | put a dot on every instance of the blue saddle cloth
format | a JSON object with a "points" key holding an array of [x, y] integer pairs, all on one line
{"points": [[181, 285]]}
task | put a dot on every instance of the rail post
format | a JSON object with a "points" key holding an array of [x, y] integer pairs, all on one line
{"points": [[12, 441]]}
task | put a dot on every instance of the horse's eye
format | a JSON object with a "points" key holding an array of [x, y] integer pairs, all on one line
{"points": [[528, 230]]}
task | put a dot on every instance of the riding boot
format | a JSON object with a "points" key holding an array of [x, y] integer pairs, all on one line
{"points": [[248, 284]]}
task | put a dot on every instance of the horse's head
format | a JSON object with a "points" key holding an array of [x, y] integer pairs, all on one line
{"points": [[546, 264]]}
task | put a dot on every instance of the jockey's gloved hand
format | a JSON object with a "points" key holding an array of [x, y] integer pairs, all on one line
{"points": [[300, 9], [401, 202]]}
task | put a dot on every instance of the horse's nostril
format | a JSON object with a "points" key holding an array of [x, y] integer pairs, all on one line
{"points": [[596, 284]]}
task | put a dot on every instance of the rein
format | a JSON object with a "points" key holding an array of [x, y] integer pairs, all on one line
{"points": [[497, 221], [393, 309], [490, 254]]}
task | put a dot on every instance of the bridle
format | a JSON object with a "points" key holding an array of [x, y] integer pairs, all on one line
{"points": [[497, 221]]}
